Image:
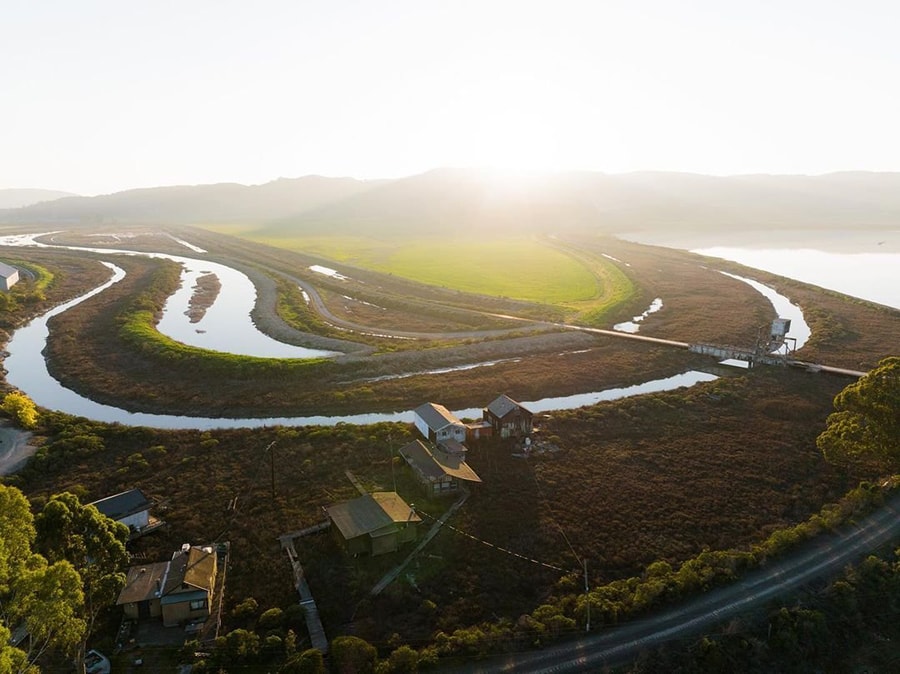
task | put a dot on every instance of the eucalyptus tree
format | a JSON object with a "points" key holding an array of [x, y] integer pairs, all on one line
{"points": [[41, 602], [866, 420], [94, 544]]}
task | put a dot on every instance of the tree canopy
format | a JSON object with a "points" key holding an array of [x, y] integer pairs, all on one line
{"points": [[866, 420], [41, 600], [92, 542]]}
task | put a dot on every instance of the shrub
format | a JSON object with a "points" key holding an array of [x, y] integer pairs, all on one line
{"points": [[271, 619], [21, 408], [245, 609]]}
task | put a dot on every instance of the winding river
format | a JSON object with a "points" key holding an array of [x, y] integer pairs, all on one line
{"points": [[27, 370]]}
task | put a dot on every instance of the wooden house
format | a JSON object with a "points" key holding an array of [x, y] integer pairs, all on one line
{"points": [[436, 423], [508, 418], [440, 470], [374, 524], [179, 591]]}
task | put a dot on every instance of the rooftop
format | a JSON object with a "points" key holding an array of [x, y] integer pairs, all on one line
{"points": [[435, 464], [436, 416], [370, 513], [143, 582], [503, 405], [196, 567], [123, 504]]}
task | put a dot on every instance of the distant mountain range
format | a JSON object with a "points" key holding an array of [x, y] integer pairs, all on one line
{"points": [[15, 198], [474, 202]]}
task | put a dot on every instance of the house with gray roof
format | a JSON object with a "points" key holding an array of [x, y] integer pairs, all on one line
{"points": [[508, 418], [131, 508], [437, 423], [438, 470]]}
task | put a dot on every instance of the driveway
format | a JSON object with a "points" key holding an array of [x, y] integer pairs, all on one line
{"points": [[14, 448]]}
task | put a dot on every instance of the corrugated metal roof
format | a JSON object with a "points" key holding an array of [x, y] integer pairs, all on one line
{"points": [[197, 568], [504, 405], [369, 513], [123, 504], [140, 582], [436, 416], [433, 465], [6, 270], [201, 567], [395, 507]]}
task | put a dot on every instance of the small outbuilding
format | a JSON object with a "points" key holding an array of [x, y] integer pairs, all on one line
{"points": [[179, 590], [437, 423], [440, 470], [509, 418], [374, 524], [131, 508], [9, 276]]}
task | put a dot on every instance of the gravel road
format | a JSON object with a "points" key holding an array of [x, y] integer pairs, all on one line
{"points": [[14, 448]]}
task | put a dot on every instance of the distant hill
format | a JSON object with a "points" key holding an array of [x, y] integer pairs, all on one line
{"points": [[16, 198], [448, 201], [476, 203], [187, 204]]}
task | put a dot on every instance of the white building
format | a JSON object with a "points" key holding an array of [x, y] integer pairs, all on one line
{"points": [[131, 508], [438, 424], [9, 276]]}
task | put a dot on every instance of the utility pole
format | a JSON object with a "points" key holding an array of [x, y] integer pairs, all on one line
{"points": [[391, 453], [271, 450], [587, 597]]}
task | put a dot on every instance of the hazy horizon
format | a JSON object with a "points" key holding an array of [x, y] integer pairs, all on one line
{"points": [[104, 96], [498, 172]]}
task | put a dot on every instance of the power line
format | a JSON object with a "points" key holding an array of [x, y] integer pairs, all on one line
{"points": [[497, 547]]}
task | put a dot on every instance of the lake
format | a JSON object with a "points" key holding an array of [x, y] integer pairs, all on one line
{"points": [[862, 263]]}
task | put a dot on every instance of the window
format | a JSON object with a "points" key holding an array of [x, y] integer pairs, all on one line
{"points": [[198, 604]]}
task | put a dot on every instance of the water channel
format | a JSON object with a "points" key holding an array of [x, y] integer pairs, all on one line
{"points": [[27, 371]]}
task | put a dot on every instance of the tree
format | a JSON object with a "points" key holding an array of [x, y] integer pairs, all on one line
{"points": [[48, 600], [866, 420], [21, 408], [309, 661], [93, 543], [12, 659], [352, 655], [44, 599]]}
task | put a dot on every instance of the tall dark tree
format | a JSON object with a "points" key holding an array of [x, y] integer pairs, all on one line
{"points": [[93, 543], [41, 602], [866, 420]]}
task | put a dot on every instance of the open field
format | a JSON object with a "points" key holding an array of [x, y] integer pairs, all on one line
{"points": [[520, 268]]}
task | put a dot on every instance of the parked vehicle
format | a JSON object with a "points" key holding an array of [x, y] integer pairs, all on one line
{"points": [[96, 663]]}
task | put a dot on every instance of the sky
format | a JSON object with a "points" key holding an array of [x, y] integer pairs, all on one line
{"points": [[100, 96]]}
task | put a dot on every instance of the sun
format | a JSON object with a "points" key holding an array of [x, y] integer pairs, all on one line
{"points": [[513, 125]]}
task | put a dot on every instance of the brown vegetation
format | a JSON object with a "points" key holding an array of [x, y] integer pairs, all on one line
{"points": [[658, 477]]}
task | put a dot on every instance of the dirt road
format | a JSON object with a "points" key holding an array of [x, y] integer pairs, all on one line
{"points": [[14, 448]]}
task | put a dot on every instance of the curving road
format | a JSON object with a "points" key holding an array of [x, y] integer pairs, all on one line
{"points": [[623, 644]]}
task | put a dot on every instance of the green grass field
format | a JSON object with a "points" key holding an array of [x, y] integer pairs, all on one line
{"points": [[521, 269]]}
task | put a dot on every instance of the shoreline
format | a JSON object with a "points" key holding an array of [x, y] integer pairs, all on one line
{"points": [[825, 240]]}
